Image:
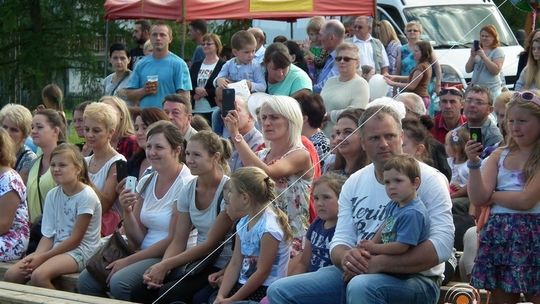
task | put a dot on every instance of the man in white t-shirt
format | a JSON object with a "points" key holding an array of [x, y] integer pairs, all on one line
{"points": [[356, 276]]}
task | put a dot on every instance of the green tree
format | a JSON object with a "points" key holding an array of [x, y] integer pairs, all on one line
{"points": [[43, 39]]}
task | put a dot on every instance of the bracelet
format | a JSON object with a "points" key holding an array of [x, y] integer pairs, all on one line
{"points": [[474, 166]]}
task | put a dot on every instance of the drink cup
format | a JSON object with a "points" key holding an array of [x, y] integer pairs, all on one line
{"points": [[153, 83]]}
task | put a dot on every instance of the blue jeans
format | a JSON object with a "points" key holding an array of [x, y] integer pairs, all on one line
{"points": [[326, 286], [121, 283]]}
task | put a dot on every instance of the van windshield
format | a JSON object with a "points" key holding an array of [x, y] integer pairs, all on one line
{"points": [[459, 25]]}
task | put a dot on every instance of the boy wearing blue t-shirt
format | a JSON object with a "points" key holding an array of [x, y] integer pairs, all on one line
{"points": [[406, 224]]}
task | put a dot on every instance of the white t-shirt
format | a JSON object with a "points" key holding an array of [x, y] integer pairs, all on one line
{"points": [[203, 219], [100, 178], [460, 172], [156, 212], [363, 200], [60, 213]]}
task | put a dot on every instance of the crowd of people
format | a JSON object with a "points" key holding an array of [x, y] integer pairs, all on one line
{"points": [[306, 191]]}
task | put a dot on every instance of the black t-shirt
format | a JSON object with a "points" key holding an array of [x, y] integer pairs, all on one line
{"points": [[135, 53]]}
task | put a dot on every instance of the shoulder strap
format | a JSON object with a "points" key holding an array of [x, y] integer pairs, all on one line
{"points": [[19, 159], [38, 185], [147, 182], [118, 83], [218, 205]]}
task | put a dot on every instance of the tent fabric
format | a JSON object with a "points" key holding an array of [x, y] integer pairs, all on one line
{"points": [[233, 9]]}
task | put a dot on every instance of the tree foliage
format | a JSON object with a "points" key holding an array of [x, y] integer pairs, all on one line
{"points": [[42, 39]]}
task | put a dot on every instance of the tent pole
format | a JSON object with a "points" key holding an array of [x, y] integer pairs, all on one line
{"points": [[184, 23], [106, 48]]}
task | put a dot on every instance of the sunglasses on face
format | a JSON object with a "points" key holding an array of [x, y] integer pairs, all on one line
{"points": [[357, 27], [527, 96], [207, 43], [451, 91], [345, 58]]}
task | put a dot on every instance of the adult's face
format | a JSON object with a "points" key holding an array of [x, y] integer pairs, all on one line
{"points": [[274, 125], [477, 108], [347, 62], [486, 39], [78, 123], [361, 28], [119, 60], [209, 47], [160, 38], [244, 118], [381, 139], [137, 34], [413, 32], [327, 39], [14, 132], [451, 106], [177, 114], [348, 137], [276, 74]]}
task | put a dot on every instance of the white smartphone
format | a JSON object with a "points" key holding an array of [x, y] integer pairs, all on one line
{"points": [[131, 183]]}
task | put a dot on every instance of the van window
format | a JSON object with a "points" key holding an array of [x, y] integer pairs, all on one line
{"points": [[451, 25], [390, 13]]}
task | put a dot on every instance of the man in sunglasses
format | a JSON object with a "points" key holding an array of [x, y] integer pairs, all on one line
{"points": [[371, 50], [450, 117]]}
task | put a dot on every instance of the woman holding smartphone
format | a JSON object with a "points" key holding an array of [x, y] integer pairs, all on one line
{"points": [[486, 61]]}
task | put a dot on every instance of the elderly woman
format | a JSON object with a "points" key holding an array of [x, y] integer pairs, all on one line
{"points": [[414, 105], [348, 89], [203, 73], [285, 159], [115, 83], [14, 225], [284, 78], [486, 62], [17, 121]]}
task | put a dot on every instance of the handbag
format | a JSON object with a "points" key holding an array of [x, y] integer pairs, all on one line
{"points": [[115, 249], [195, 267]]}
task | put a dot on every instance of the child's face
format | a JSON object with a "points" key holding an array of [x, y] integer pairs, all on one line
{"points": [[448, 147], [326, 202], [314, 36], [63, 169], [246, 54], [523, 126], [236, 202], [399, 187]]}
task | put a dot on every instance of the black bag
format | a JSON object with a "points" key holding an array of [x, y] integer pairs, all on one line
{"points": [[115, 249]]}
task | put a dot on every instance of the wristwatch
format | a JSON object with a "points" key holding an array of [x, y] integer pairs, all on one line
{"points": [[238, 138]]}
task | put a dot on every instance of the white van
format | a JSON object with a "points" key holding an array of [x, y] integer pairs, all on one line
{"points": [[450, 25]]}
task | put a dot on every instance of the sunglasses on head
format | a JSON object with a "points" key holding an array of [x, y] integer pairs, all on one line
{"points": [[452, 91], [345, 58], [527, 96]]}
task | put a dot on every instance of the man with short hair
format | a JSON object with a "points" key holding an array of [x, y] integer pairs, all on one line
{"points": [[450, 117], [158, 75], [141, 34], [261, 40], [197, 29], [357, 275], [331, 35], [178, 108], [370, 50], [246, 128], [477, 110]]}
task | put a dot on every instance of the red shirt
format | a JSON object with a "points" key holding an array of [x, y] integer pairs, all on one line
{"points": [[439, 130]]}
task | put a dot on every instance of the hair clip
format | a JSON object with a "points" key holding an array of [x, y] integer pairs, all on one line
{"points": [[267, 179], [455, 137]]}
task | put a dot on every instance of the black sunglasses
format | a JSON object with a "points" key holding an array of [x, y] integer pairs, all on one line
{"points": [[345, 58], [452, 91]]}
